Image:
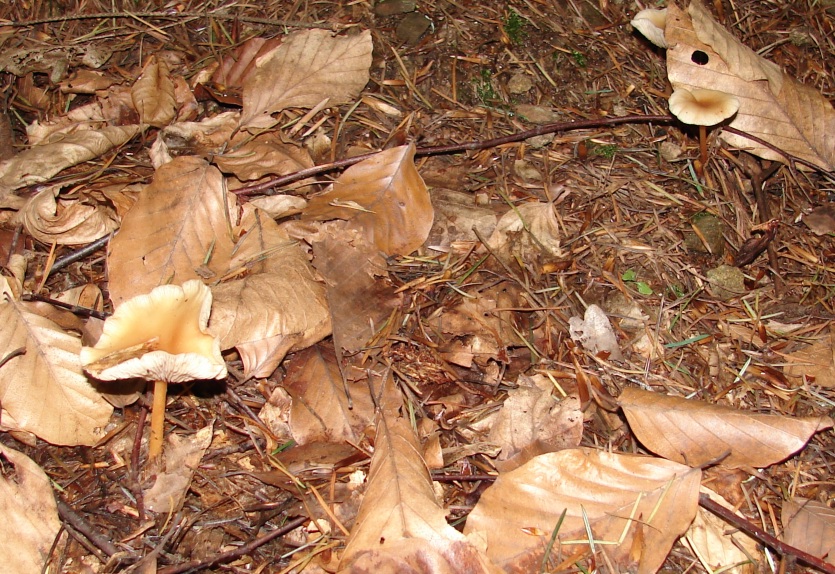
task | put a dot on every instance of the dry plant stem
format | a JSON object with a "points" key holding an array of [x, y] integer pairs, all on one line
{"points": [[267, 188], [237, 552], [157, 419], [763, 536], [69, 516], [702, 150], [765, 214]]}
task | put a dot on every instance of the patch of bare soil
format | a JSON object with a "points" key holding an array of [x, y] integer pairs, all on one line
{"points": [[641, 234]]}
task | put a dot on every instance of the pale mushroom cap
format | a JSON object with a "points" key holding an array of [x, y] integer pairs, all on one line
{"points": [[652, 23], [160, 336], [702, 107]]}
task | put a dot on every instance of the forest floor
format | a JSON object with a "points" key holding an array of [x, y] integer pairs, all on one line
{"points": [[641, 232]]}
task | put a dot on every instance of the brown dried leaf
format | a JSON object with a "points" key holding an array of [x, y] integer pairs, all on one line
{"points": [[178, 229], [203, 139], [30, 515], [719, 549], [308, 67], [529, 233], [66, 221], [532, 422], [400, 522], [695, 433], [235, 68], [182, 457], [810, 526], [816, 362], [772, 106], [45, 391], [264, 155], [359, 297], [639, 505], [38, 164], [153, 94], [320, 409], [385, 197], [279, 307]]}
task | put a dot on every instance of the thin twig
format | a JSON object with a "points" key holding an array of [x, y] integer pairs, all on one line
{"points": [[266, 188], [179, 16], [753, 530], [62, 262], [236, 553], [72, 518]]}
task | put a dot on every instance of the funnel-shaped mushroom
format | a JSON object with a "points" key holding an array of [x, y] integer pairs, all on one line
{"points": [[160, 337], [652, 23], [702, 108]]}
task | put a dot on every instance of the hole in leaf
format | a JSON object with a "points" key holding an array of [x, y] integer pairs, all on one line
{"points": [[700, 58]]}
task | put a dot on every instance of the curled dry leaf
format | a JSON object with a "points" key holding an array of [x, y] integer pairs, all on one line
{"points": [[810, 526], [30, 515], [532, 422], [277, 307], [772, 106], [529, 233], [385, 197], [264, 155], [696, 433], [400, 521], [153, 94], [652, 505], [182, 457], [44, 390], [306, 68], [203, 139], [67, 221], [179, 229], [718, 548], [38, 164]]}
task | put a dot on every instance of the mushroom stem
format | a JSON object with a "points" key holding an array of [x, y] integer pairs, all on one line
{"points": [[702, 150], [157, 419]]}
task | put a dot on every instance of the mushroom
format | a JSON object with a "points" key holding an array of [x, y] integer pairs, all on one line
{"points": [[652, 23], [702, 108], [159, 337]]}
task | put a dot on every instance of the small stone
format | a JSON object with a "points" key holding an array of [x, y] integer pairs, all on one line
{"points": [[526, 171], [539, 142], [519, 84], [392, 7], [412, 27], [711, 229], [536, 114], [726, 282], [669, 151]]}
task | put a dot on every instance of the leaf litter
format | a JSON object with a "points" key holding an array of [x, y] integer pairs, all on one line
{"points": [[409, 377]]}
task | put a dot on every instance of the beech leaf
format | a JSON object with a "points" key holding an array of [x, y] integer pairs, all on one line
{"points": [[279, 307], [265, 155], [44, 391], [320, 410], [400, 521], [39, 163], [30, 514], [307, 67], [66, 221], [772, 106], [153, 94], [358, 299], [637, 505], [385, 197], [178, 229], [695, 433], [810, 526]]}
